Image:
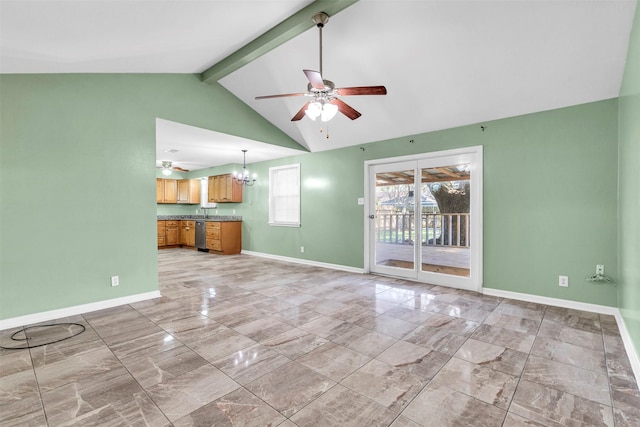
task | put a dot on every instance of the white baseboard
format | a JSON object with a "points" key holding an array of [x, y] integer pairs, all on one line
{"points": [[634, 359], [556, 302], [45, 316], [594, 308], [306, 262]]}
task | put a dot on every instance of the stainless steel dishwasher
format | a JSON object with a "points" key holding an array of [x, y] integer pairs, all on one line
{"points": [[201, 235]]}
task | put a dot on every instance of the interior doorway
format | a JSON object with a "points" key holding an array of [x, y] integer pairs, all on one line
{"points": [[425, 217]]}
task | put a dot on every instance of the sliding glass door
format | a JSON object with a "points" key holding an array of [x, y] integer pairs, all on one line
{"points": [[425, 217]]}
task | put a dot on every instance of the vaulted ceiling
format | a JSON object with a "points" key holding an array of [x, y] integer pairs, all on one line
{"points": [[444, 63]]}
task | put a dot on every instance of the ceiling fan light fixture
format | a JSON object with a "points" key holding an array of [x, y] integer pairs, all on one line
{"points": [[328, 112], [314, 110], [326, 101], [166, 168]]}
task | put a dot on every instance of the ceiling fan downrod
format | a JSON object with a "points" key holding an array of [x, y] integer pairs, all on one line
{"points": [[320, 19]]}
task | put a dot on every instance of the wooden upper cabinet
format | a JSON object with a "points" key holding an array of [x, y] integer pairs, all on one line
{"points": [[166, 190], [170, 190], [189, 191], [224, 189], [159, 190]]}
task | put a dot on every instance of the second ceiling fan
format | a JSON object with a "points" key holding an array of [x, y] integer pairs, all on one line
{"points": [[325, 102]]}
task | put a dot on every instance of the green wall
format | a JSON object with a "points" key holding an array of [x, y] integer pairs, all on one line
{"points": [[629, 189], [77, 189], [77, 169], [550, 198]]}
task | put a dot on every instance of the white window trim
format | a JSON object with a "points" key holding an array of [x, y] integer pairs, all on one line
{"points": [[272, 221]]}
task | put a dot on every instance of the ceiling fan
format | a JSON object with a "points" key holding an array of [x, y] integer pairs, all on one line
{"points": [[167, 167], [325, 101]]}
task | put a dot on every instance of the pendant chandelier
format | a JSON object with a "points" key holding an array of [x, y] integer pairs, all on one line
{"points": [[242, 178]]}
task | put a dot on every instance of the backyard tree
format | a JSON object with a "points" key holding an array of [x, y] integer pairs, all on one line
{"points": [[452, 197]]}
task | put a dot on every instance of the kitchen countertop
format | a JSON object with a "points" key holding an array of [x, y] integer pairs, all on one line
{"points": [[216, 218]]}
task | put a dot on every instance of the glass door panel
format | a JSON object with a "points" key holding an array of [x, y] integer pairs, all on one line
{"points": [[394, 231], [445, 219]]}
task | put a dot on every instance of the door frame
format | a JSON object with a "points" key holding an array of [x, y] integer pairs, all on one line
{"points": [[474, 155]]}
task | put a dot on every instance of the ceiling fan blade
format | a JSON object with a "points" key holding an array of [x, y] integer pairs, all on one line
{"points": [[280, 96], [362, 90], [315, 78], [300, 114], [346, 109]]}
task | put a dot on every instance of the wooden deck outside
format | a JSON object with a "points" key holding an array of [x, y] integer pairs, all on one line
{"points": [[439, 259]]}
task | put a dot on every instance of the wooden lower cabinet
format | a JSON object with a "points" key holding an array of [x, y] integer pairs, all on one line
{"points": [[172, 233], [188, 233], [162, 228], [168, 233], [224, 237]]}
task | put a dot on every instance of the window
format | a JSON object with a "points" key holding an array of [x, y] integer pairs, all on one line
{"points": [[284, 196]]}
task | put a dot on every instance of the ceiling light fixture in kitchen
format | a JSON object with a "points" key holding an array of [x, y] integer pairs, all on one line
{"points": [[166, 168], [242, 178]]}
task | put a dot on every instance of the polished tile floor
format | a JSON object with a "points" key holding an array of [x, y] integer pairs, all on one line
{"points": [[244, 341]]}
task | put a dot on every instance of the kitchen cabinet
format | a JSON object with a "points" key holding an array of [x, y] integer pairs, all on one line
{"points": [[172, 233], [162, 225], [166, 190], [168, 233], [224, 237], [189, 191], [159, 190], [188, 233], [224, 189]]}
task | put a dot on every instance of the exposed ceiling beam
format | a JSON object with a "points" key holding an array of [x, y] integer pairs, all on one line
{"points": [[281, 33]]}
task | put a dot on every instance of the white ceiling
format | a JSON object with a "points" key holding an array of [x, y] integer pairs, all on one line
{"points": [[444, 63], [211, 148], [131, 36]]}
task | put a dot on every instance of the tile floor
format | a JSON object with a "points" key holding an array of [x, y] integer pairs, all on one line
{"points": [[244, 341]]}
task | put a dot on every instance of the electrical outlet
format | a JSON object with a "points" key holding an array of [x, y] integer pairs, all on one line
{"points": [[600, 269], [301, 249], [563, 281], [115, 281]]}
